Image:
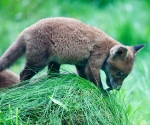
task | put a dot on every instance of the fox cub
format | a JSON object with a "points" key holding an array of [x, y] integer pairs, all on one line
{"points": [[55, 41], [8, 78]]}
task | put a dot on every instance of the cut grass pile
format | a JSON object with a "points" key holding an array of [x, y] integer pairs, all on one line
{"points": [[67, 100]]}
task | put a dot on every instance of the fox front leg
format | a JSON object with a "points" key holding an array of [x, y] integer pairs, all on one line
{"points": [[94, 64], [93, 75]]}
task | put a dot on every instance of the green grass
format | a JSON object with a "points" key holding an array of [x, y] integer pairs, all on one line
{"points": [[68, 99], [126, 21], [138, 89]]}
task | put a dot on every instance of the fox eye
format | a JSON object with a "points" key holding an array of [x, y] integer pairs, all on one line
{"points": [[118, 74]]}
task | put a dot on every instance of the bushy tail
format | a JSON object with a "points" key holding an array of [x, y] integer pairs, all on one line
{"points": [[16, 50]]}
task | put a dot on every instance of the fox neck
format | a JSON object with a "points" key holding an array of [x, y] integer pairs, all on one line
{"points": [[107, 43]]}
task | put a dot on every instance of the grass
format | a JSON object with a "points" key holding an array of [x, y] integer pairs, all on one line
{"points": [[138, 89], [126, 21], [66, 100]]}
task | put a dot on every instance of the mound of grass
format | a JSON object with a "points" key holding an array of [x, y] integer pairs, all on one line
{"points": [[67, 100]]}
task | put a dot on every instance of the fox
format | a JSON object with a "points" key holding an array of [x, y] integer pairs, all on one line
{"points": [[55, 41], [7, 78]]}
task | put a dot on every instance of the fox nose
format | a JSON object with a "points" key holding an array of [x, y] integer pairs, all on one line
{"points": [[115, 86]]}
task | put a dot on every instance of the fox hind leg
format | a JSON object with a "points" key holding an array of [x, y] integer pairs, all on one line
{"points": [[29, 71], [33, 66]]}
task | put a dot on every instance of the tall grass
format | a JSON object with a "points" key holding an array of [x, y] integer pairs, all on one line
{"points": [[66, 100], [138, 89]]}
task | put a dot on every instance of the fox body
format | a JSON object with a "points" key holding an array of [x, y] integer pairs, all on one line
{"points": [[55, 41], [8, 78]]}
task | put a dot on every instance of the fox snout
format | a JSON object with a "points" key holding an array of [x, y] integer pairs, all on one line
{"points": [[112, 85]]}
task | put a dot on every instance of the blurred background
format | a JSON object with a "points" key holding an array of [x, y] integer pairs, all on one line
{"points": [[127, 21]]}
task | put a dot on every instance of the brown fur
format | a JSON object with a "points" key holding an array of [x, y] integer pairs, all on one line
{"points": [[56, 41], [8, 78]]}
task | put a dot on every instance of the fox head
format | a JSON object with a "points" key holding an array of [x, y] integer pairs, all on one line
{"points": [[119, 64]]}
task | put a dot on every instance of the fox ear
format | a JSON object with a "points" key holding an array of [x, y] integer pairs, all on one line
{"points": [[138, 47], [120, 52]]}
